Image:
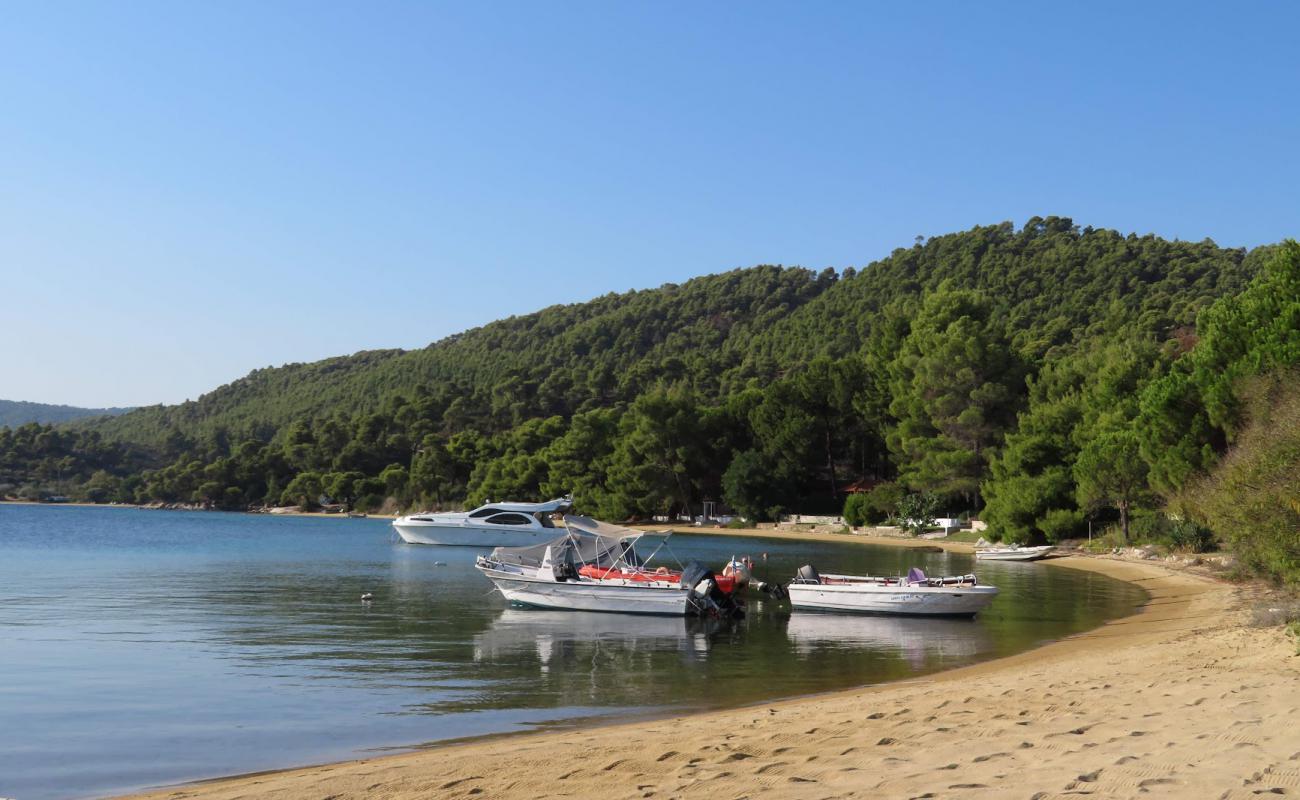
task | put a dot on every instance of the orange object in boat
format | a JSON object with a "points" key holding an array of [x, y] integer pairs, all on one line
{"points": [[726, 583]]}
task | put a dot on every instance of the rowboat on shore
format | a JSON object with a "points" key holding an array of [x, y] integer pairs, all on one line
{"points": [[1013, 553], [594, 566], [915, 594]]}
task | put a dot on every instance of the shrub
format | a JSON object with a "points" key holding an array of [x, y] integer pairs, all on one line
{"points": [[881, 502], [1187, 535], [1061, 523], [1148, 526], [856, 512]]}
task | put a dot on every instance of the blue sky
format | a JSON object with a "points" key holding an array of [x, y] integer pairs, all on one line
{"points": [[191, 191]]}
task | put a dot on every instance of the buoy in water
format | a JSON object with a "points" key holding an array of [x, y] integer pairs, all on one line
{"points": [[366, 597]]}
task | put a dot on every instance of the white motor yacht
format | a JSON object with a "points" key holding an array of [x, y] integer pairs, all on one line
{"points": [[491, 525]]}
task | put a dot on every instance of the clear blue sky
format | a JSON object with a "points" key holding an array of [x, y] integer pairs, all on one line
{"points": [[191, 191]]}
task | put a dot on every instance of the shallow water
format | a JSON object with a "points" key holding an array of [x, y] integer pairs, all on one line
{"points": [[140, 648]]}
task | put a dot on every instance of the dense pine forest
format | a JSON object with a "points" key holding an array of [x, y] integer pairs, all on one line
{"points": [[1041, 378]]}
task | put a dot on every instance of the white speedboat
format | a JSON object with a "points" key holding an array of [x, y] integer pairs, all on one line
{"points": [[915, 594], [1013, 553], [594, 566], [491, 525]]}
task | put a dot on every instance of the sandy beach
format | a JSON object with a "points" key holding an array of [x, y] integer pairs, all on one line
{"points": [[1182, 699]]}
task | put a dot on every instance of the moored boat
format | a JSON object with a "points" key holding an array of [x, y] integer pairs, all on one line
{"points": [[1013, 553], [490, 525], [594, 566], [914, 594]]}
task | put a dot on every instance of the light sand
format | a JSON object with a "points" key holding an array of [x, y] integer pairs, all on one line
{"points": [[1183, 699]]}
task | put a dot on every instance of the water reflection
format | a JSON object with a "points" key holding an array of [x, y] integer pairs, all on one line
{"points": [[560, 636], [920, 641]]}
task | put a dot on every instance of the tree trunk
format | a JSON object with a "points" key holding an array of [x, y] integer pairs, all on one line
{"points": [[830, 463], [1123, 519]]}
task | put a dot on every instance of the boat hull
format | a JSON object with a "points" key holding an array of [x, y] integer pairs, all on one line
{"points": [[470, 536], [1021, 554], [928, 601], [589, 595]]}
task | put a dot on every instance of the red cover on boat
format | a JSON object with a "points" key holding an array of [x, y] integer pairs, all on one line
{"points": [[726, 583]]}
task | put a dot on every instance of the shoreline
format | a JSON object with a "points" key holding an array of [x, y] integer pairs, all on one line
{"points": [[1119, 710]]}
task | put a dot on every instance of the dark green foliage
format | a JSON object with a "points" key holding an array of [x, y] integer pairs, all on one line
{"points": [[1110, 471], [956, 387], [873, 507], [751, 488], [1059, 524], [855, 510], [1190, 415], [1191, 536], [1073, 397]]}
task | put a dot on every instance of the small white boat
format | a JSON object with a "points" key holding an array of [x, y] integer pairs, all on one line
{"points": [[491, 525], [915, 594], [594, 567], [1013, 553]]}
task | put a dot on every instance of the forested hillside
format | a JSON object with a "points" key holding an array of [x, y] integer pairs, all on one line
{"points": [[1038, 376], [20, 412]]}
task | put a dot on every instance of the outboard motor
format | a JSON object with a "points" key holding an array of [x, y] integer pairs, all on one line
{"points": [[706, 598], [807, 574]]}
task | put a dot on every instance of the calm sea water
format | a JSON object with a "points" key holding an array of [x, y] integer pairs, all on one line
{"points": [[140, 648]]}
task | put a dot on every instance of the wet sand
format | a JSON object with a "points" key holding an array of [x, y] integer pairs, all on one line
{"points": [[1182, 699]]}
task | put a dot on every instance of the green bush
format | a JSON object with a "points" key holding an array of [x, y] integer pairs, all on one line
{"points": [[1187, 535], [881, 503], [1061, 523], [1148, 527], [856, 511]]}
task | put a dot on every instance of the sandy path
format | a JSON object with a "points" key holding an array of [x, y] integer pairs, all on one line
{"points": [[1179, 700]]}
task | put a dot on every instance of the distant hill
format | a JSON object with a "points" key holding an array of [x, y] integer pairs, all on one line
{"points": [[1054, 283], [20, 412], [1047, 377]]}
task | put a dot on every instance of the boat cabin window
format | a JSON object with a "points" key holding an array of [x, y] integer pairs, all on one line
{"points": [[483, 512], [509, 519], [544, 518]]}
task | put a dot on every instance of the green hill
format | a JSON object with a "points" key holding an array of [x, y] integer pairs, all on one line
{"points": [[1035, 375], [1052, 284], [20, 412]]}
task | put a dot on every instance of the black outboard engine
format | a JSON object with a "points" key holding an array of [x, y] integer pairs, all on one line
{"points": [[706, 599], [807, 574], [693, 573]]}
